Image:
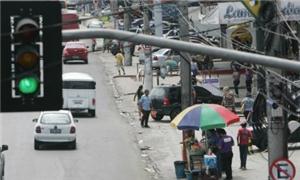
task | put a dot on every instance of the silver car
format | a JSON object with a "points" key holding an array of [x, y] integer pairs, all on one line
{"points": [[55, 127], [2, 160]]}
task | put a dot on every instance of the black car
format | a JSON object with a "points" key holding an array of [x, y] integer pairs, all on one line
{"points": [[166, 100]]}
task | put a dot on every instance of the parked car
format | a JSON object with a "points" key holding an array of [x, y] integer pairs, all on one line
{"points": [[166, 99], [2, 160], [163, 54], [75, 51], [95, 24], [55, 127]]}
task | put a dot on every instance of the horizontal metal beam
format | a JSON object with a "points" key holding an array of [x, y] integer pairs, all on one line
{"points": [[228, 54]]}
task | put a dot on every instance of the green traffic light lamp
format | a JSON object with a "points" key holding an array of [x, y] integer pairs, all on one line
{"points": [[28, 85]]}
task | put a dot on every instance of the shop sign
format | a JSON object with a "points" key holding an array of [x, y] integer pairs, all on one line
{"points": [[290, 10], [232, 13]]}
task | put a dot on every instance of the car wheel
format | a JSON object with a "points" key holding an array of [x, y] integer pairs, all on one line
{"points": [[36, 145], [73, 144], [174, 113], [158, 116], [92, 113]]}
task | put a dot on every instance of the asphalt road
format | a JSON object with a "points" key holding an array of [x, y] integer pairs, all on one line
{"points": [[105, 145]]}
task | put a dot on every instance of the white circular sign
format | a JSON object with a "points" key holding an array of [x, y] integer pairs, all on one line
{"points": [[282, 169]]}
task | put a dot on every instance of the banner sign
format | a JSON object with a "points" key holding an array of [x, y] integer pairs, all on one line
{"points": [[236, 12], [233, 13], [290, 10]]}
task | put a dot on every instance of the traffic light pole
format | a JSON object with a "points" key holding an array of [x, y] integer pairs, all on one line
{"points": [[233, 55]]}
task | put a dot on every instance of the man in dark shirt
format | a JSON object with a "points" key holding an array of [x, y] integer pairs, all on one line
{"points": [[225, 145]]}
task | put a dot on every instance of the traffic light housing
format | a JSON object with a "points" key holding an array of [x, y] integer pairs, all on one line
{"points": [[31, 69]]}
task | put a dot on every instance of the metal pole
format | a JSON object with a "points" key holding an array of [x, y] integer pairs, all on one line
{"points": [[148, 74], [229, 54], [126, 44]]}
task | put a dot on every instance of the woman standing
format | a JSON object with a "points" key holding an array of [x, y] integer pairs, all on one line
{"points": [[138, 94]]}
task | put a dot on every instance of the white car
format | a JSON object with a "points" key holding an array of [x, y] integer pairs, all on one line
{"points": [[2, 160], [55, 127], [161, 55]]}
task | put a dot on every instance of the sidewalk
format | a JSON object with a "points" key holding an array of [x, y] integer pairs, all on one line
{"points": [[160, 144]]}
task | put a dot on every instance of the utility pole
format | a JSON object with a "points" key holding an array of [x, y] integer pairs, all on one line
{"points": [[148, 74], [158, 18], [126, 44], [277, 120], [158, 27], [114, 9], [185, 66]]}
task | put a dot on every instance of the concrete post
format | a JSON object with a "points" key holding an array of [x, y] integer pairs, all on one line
{"points": [[185, 66], [148, 74], [158, 18], [126, 44]]}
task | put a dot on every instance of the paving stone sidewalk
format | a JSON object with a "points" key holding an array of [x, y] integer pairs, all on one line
{"points": [[160, 145]]}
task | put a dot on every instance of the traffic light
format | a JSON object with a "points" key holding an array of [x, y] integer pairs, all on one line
{"points": [[31, 70]]}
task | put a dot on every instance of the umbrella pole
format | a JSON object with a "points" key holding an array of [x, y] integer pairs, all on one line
{"points": [[206, 141], [186, 134]]}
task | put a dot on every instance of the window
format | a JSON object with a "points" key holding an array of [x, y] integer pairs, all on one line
{"points": [[202, 92], [175, 94], [157, 92], [55, 118], [79, 85]]}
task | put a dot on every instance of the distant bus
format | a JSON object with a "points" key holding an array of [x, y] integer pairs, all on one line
{"points": [[70, 19]]}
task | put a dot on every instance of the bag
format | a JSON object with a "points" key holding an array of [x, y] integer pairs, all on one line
{"points": [[243, 108]]}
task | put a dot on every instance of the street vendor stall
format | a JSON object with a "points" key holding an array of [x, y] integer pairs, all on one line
{"points": [[204, 117]]}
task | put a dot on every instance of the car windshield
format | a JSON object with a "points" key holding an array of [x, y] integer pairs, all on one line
{"points": [[75, 45], [161, 51], [157, 92], [55, 118]]}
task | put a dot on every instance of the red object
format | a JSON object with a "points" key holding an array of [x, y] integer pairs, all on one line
{"points": [[166, 101], [243, 136], [38, 129], [94, 101], [75, 50], [279, 168], [72, 130], [70, 20]]}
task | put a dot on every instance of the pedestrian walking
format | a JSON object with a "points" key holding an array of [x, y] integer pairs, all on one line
{"points": [[248, 79], [228, 99], [243, 137], [236, 80], [225, 145], [145, 106], [195, 72], [138, 94], [142, 55], [247, 105], [119, 62], [107, 43]]}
